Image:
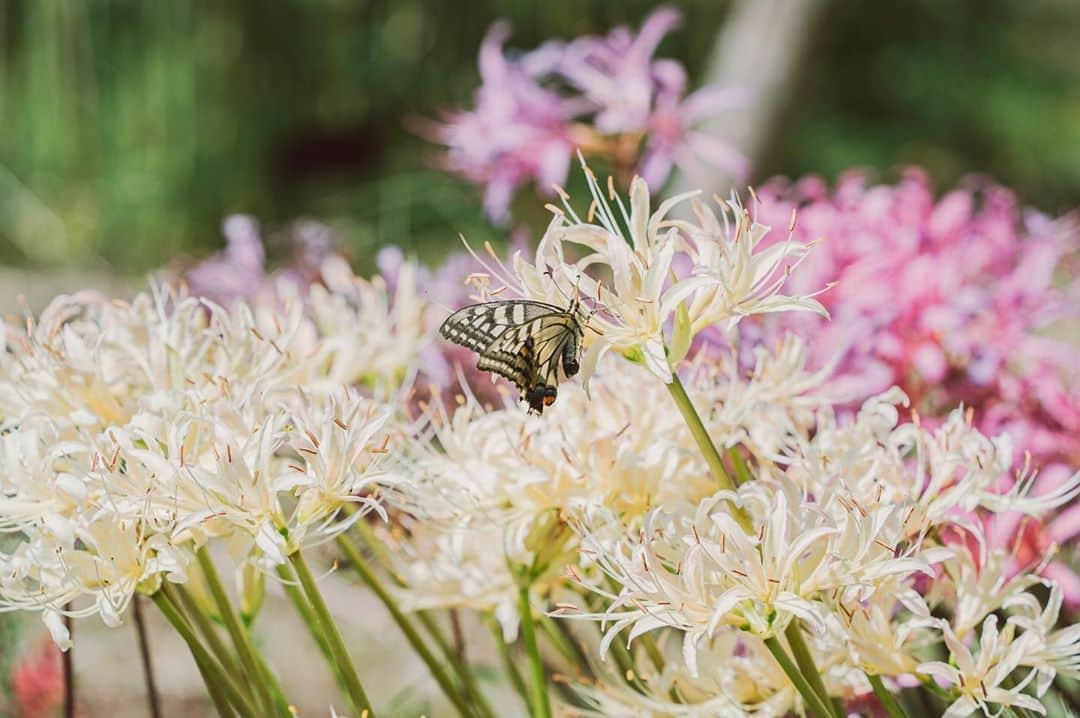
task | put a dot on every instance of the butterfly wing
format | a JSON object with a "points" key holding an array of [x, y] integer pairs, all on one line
{"points": [[521, 340], [477, 326]]}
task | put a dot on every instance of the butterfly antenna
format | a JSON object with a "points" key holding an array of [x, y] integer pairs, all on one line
{"points": [[551, 276]]}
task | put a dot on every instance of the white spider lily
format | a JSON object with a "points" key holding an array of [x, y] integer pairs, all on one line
{"points": [[712, 573], [496, 475], [1056, 651], [732, 277], [340, 441], [977, 677], [627, 274], [363, 332], [983, 583], [632, 304], [879, 638], [775, 403], [736, 677]]}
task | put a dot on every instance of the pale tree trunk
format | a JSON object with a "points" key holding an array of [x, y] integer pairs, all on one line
{"points": [[761, 48]]}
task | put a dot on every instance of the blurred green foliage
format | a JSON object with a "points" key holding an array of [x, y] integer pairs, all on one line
{"points": [[987, 86], [129, 129]]}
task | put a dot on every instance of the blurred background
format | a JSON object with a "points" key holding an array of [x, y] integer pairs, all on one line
{"points": [[129, 130]]}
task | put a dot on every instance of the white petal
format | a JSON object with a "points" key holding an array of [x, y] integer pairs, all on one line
{"points": [[61, 636]]}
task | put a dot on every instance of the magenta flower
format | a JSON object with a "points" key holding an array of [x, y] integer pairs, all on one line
{"points": [[1037, 543], [618, 75], [638, 95], [238, 272], [518, 131], [954, 300], [607, 96]]}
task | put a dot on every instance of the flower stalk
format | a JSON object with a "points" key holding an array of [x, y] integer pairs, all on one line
{"points": [[69, 674], [809, 695], [700, 434], [357, 697], [204, 626], [539, 703], [240, 637], [705, 444], [449, 689], [290, 585], [509, 664], [153, 701], [887, 699], [805, 661], [429, 622], [218, 682]]}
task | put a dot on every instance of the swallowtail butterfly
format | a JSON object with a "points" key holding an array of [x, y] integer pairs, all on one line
{"points": [[527, 342]]}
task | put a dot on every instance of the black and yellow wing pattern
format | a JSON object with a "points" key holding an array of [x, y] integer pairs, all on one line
{"points": [[527, 342]]}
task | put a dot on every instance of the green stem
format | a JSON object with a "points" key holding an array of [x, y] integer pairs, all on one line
{"points": [[360, 564], [360, 703], [376, 547], [931, 685], [183, 598], [274, 686], [69, 669], [813, 701], [239, 635], [742, 471], [541, 705], [427, 620], [508, 662], [887, 699], [653, 652], [221, 702], [218, 683], [288, 583], [624, 661], [560, 641], [461, 668], [700, 433], [706, 446], [805, 660], [205, 626]]}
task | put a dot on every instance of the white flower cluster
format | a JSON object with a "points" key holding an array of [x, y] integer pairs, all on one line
{"points": [[867, 535], [857, 547], [485, 485], [629, 259], [132, 434], [862, 539]]}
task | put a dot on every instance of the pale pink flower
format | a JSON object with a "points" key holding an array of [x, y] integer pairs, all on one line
{"points": [[635, 93], [518, 130], [605, 95], [617, 73], [238, 272]]}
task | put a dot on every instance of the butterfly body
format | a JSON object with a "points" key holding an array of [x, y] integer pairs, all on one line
{"points": [[527, 342]]}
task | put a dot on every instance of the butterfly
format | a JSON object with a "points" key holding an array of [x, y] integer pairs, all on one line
{"points": [[525, 341]]}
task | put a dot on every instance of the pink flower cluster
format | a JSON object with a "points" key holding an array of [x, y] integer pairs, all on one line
{"points": [[606, 96], [238, 272], [966, 299]]}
